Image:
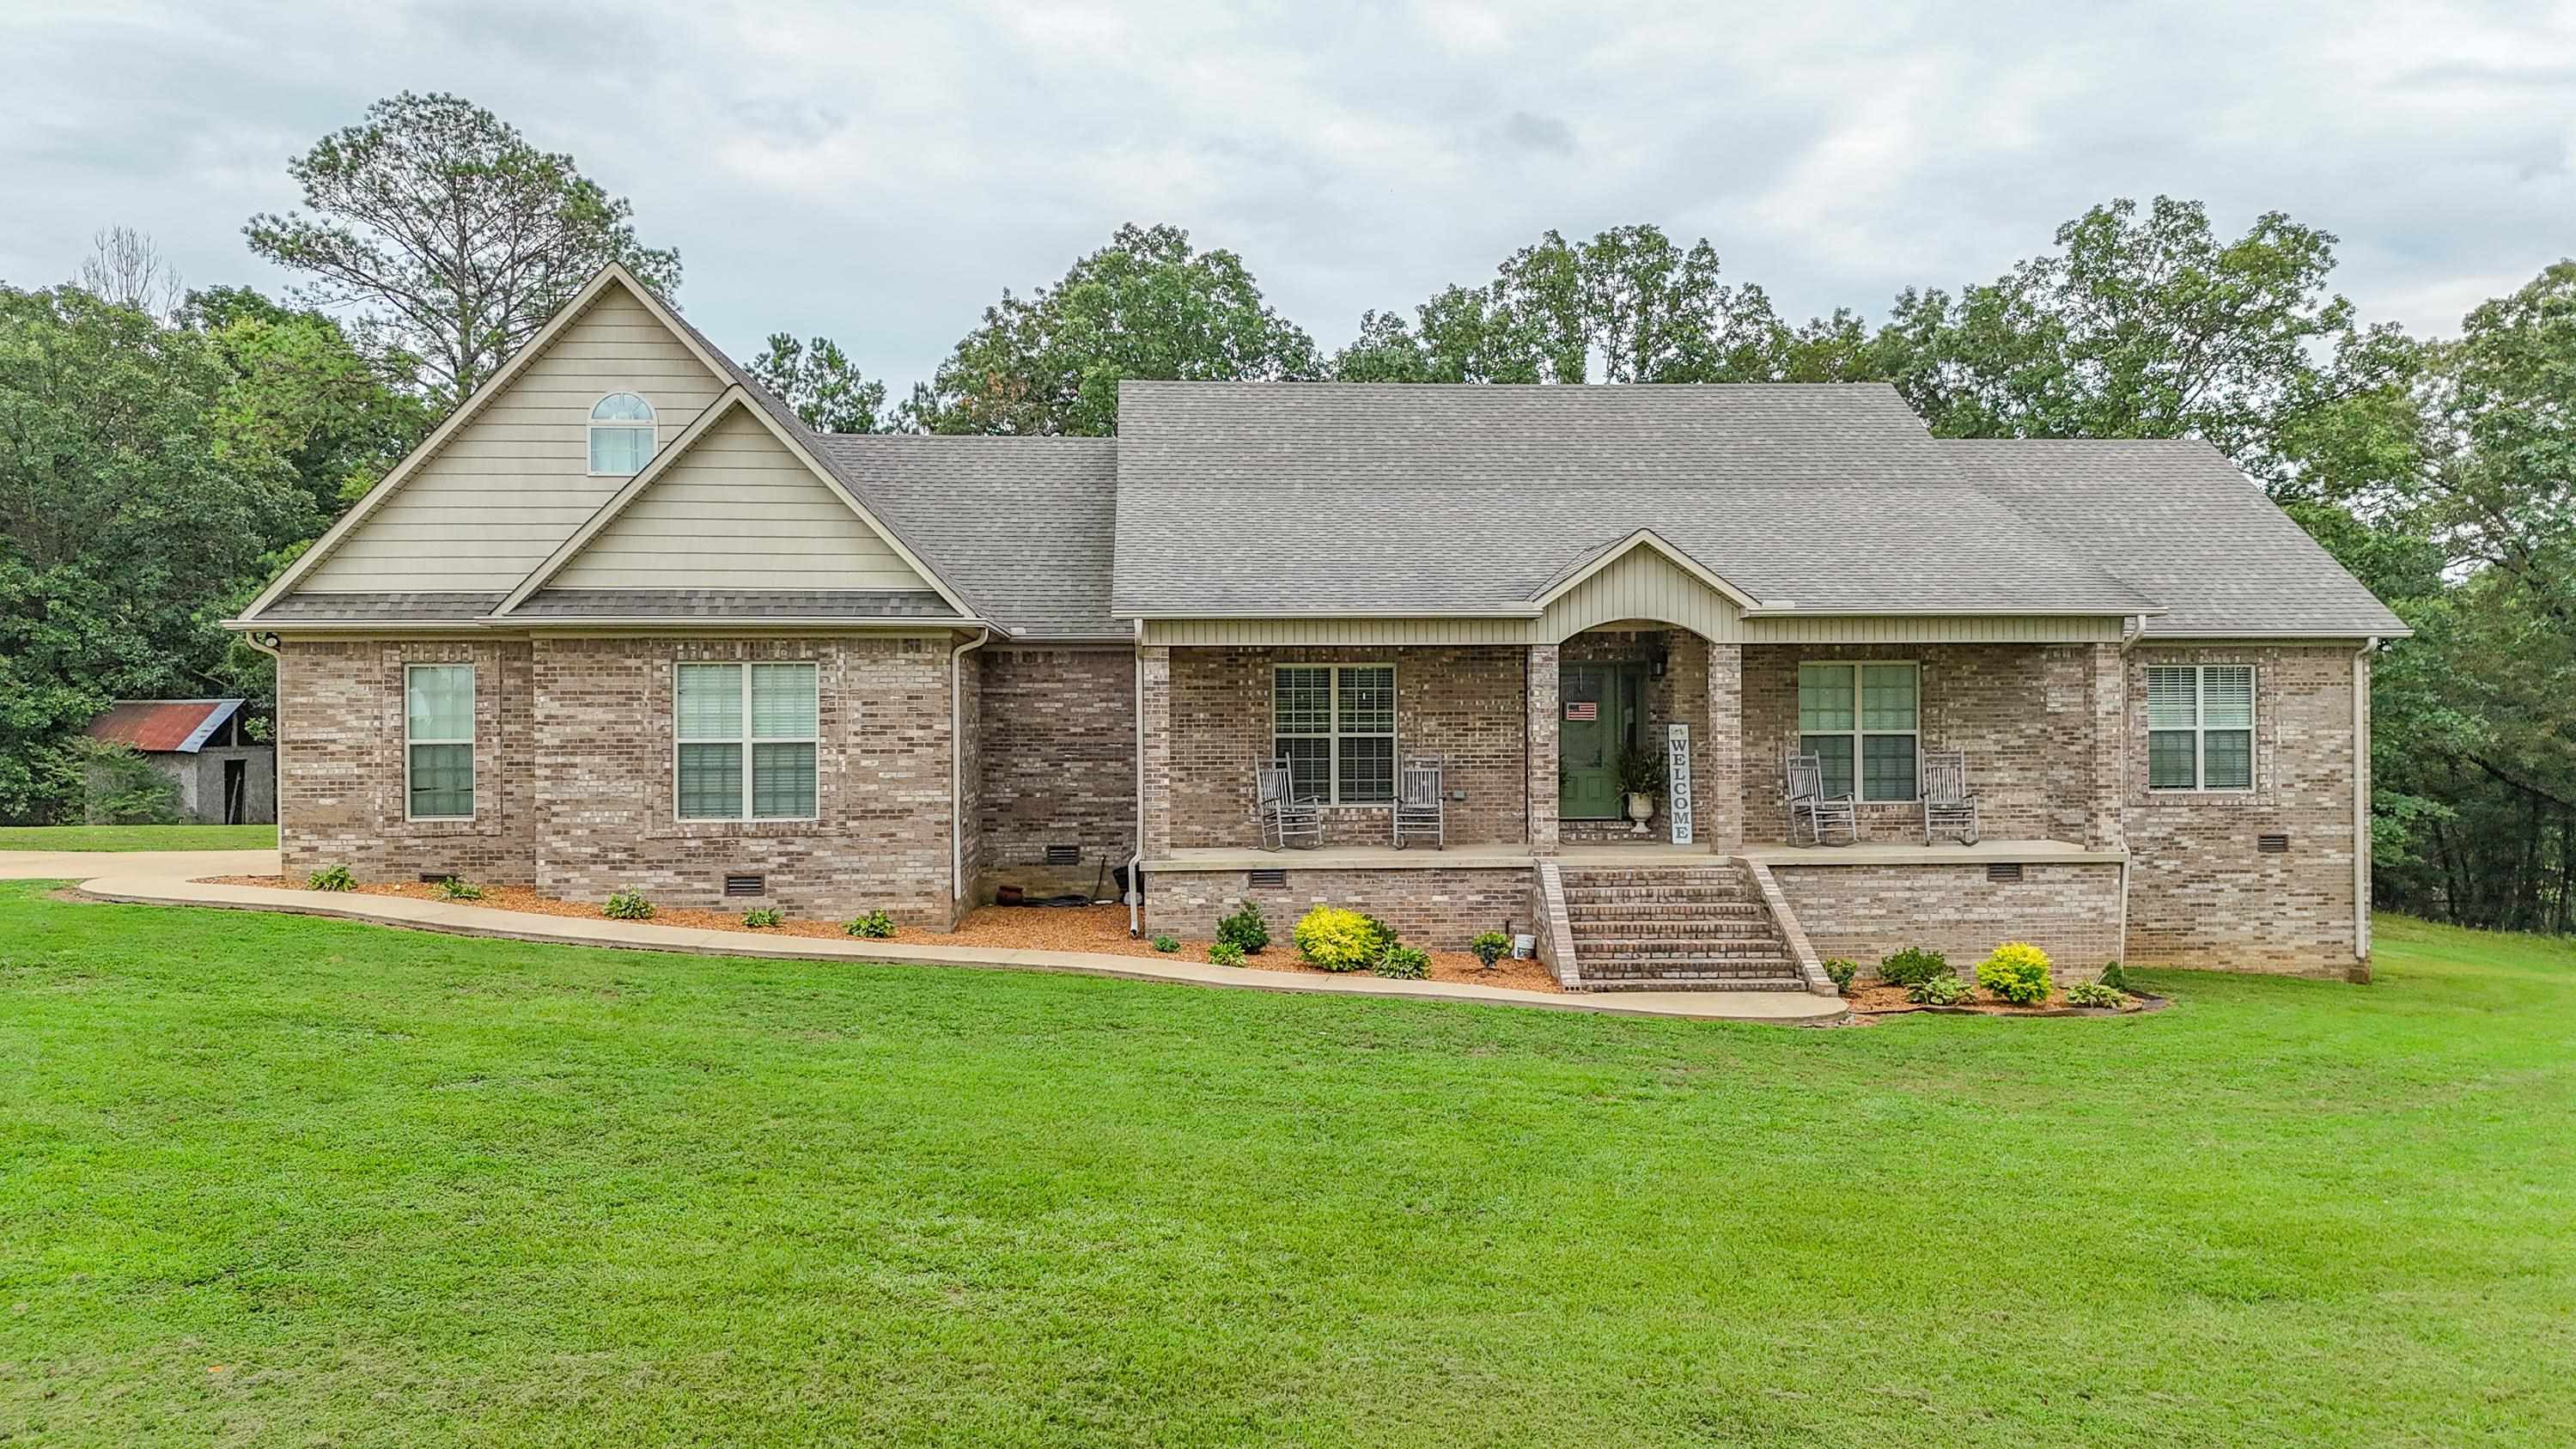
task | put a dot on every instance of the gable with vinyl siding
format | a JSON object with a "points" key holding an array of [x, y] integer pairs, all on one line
{"points": [[737, 510], [515, 482]]}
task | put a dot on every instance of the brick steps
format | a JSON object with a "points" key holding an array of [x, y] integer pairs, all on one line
{"points": [[1674, 928]]}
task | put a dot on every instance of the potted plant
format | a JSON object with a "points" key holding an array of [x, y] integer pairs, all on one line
{"points": [[1641, 779]]}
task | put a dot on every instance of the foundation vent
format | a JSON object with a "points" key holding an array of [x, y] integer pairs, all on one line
{"points": [[433, 877], [1261, 878], [2272, 844], [746, 885], [2004, 870], [1064, 855]]}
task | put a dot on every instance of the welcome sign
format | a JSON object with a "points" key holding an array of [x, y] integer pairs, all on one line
{"points": [[1677, 798]]}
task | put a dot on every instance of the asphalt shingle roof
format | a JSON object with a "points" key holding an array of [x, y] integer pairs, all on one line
{"points": [[1020, 525], [344, 608], [2180, 522], [1237, 497]]}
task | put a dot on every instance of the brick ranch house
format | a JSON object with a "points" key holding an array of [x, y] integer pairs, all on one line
{"points": [[623, 621]]}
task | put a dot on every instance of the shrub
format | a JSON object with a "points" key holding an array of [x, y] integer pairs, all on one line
{"points": [[761, 916], [1244, 930], [1939, 991], [455, 888], [2017, 972], [2115, 978], [1642, 772], [337, 878], [117, 785], [1842, 972], [1385, 934], [1403, 963], [1337, 940], [1167, 944], [1225, 953], [875, 926], [1491, 947], [2094, 993], [628, 906], [1913, 966]]}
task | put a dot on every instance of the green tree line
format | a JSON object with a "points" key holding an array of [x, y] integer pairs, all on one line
{"points": [[162, 460]]}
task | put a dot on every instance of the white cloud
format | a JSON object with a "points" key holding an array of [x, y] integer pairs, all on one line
{"points": [[880, 174]]}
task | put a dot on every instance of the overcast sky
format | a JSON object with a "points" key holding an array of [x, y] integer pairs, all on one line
{"points": [[880, 175]]}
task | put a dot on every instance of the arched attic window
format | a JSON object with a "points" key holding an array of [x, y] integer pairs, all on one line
{"points": [[621, 435]]}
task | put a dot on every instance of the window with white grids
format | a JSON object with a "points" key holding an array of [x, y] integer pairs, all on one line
{"points": [[1335, 726], [1860, 721], [2200, 727], [438, 741], [747, 736]]}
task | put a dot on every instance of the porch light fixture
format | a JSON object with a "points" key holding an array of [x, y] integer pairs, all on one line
{"points": [[1655, 662]]}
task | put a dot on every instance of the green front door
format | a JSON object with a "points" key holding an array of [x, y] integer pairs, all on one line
{"points": [[1597, 709]]}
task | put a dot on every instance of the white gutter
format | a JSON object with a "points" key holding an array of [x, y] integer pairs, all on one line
{"points": [[2132, 630], [957, 765], [1136, 862], [2361, 799]]}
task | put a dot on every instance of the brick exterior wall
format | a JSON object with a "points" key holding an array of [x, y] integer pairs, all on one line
{"points": [[1464, 704], [1057, 736], [2201, 894], [340, 763], [1865, 912], [1437, 909], [1680, 696], [2028, 717], [575, 780]]}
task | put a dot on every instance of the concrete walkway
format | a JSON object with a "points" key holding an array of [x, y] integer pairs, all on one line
{"points": [[166, 878]]}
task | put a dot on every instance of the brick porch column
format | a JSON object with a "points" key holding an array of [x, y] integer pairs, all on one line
{"points": [[2105, 810], [1721, 799], [1154, 674], [1542, 749]]}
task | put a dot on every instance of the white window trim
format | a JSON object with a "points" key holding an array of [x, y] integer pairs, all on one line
{"points": [[1860, 734], [2200, 729], [1334, 734], [652, 425], [746, 739], [473, 765]]}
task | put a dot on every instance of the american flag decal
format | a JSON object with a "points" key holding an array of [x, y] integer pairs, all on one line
{"points": [[1583, 710]]}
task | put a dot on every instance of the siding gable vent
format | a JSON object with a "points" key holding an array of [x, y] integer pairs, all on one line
{"points": [[1260, 878], [2272, 844], [2006, 870], [1064, 855], [746, 885]]}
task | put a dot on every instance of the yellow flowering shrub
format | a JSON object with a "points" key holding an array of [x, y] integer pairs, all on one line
{"points": [[1335, 939], [2017, 972]]}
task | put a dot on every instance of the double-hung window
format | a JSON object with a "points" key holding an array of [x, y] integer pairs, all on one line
{"points": [[1862, 718], [2200, 727], [438, 741], [1335, 726], [746, 737]]}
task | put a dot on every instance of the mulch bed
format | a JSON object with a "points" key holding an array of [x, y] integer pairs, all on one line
{"points": [[1877, 998], [1101, 929]]}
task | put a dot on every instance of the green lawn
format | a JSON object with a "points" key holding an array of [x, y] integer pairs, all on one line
{"points": [[138, 837], [267, 1180]]}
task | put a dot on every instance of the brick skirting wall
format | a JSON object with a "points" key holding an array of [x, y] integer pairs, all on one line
{"points": [[1434, 908], [1864, 912], [1058, 746]]}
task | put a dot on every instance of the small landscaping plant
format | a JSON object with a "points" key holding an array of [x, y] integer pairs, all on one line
{"points": [[2094, 993], [875, 926], [1244, 930], [1386, 935], [1167, 944], [1403, 963], [762, 917], [1333, 939], [628, 906], [1912, 967], [1491, 947], [1225, 953], [455, 888], [1642, 772], [2017, 972], [2115, 978], [1841, 972], [337, 878], [1939, 991]]}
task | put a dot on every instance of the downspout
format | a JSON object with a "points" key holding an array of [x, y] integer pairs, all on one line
{"points": [[276, 739], [2361, 799], [1136, 862], [957, 765], [2131, 631]]}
